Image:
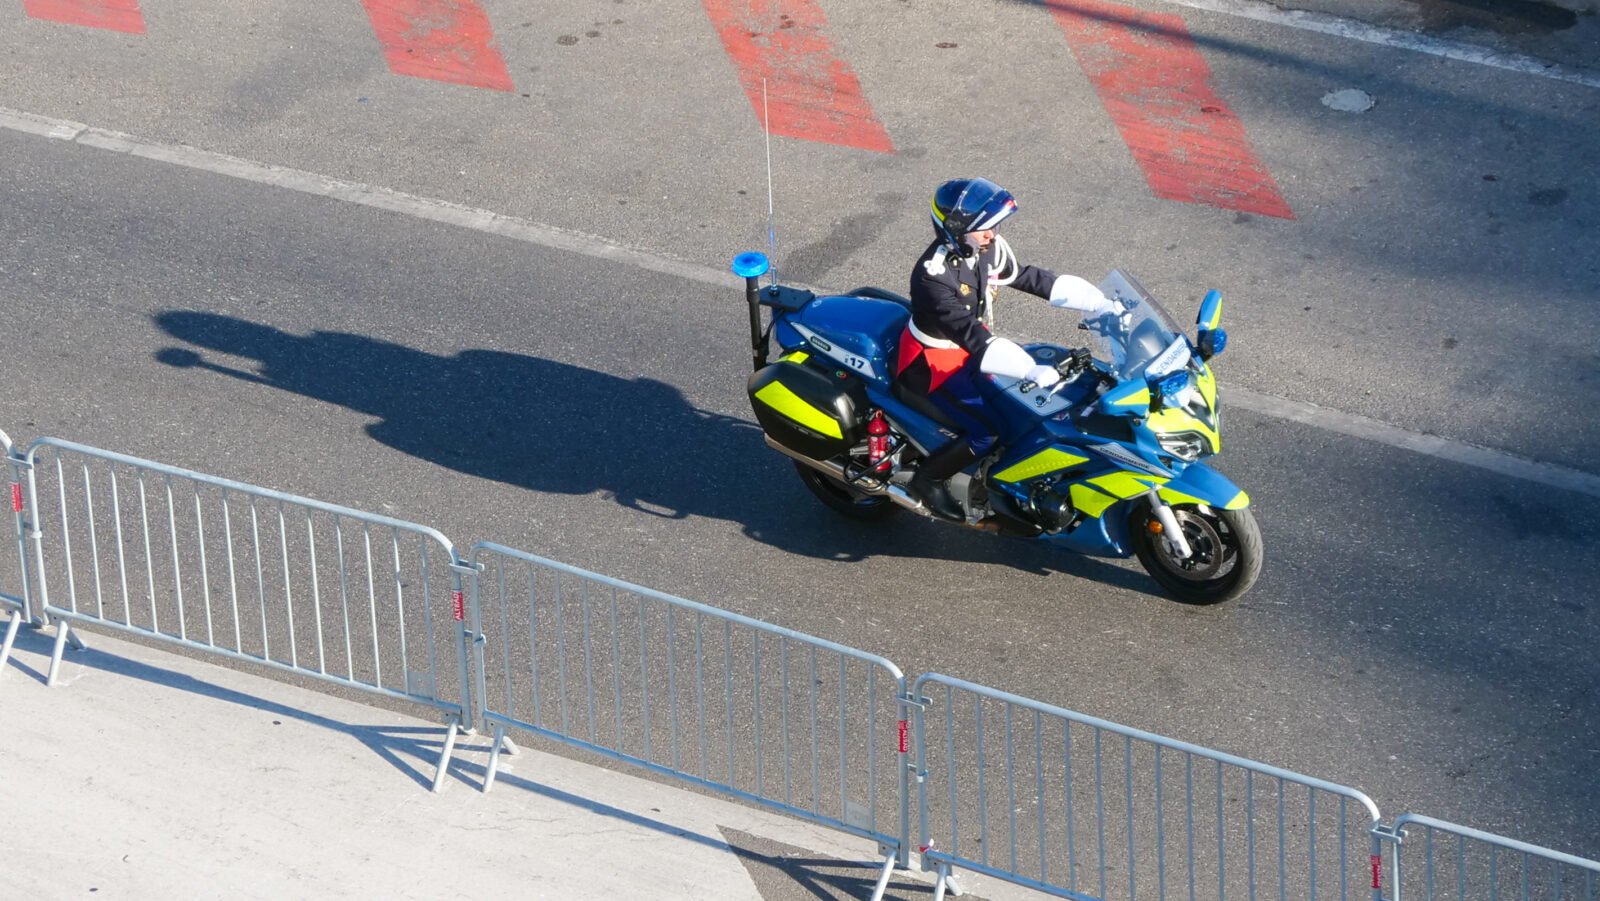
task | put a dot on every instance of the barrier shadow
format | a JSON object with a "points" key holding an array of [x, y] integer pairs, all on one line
{"points": [[411, 750], [552, 427], [825, 878]]}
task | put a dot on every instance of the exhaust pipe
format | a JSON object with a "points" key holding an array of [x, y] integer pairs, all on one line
{"points": [[889, 490]]}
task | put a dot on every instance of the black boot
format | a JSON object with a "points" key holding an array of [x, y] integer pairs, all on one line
{"points": [[931, 484]]}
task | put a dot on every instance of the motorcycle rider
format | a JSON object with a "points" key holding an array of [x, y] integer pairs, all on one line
{"points": [[947, 344]]}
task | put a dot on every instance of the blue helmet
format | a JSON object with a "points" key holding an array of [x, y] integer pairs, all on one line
{"points": [[969, 205]]}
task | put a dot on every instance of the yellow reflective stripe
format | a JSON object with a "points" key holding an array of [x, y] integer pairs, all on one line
{"points": [[935, 205], [789, 404], [1239, 502], [1142, 396], [1173, 496], [1126, 484], [1216, 315], [1173, 419], [798, 356], [1207, 384], [1048, 460], [1090, 501]]}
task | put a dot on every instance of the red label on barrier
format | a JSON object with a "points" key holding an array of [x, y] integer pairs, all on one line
{"points": [[16, 497], [903, 732], [460, 605], [1377, 871]]}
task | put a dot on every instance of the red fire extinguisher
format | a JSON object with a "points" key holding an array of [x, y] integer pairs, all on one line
{"points": [[878, 440]]}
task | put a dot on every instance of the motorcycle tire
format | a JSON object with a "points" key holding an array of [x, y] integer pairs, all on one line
{"points": [[843, 499], [1227, 553]]}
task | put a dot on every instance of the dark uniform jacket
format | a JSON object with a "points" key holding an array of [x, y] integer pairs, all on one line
{"points": [[948, 293]]}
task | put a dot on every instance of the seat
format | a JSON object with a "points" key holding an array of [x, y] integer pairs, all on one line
{"points": [[880, 294]]}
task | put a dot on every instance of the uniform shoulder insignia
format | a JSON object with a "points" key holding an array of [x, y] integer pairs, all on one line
{"points": [[935, 265]]}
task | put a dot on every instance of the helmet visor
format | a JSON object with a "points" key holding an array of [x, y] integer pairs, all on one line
{"points": [[980, 204]]}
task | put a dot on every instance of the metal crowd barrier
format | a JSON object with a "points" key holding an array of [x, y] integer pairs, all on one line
{"points": [[1036, 795], [14, 588], [1079, 807], [777, 718], [229, 569], [1434, 859]]}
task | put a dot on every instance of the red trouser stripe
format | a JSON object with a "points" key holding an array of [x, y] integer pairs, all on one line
{"points": [[445, 40], [811, 93], [1157, 88], [116, 15]]}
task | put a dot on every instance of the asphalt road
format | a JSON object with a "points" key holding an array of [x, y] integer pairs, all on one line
{"points": [[1408, 288], [1423, 631]]}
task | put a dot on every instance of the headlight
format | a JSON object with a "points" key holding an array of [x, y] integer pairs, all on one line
{"points": [[1186, 446]]}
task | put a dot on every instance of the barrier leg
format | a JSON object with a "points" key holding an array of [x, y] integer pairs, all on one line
{"points": [[444, 756], [63, 630], [494, 757], [11, 636], [944, 879], [883, 879]]}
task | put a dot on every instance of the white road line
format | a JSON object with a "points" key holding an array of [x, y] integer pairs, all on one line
{"points": [[365, 195], [1501, 462], [1323, 23], [589, 245]]}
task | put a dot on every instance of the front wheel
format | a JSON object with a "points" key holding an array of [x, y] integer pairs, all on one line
{"points": [[843, 498], [1225, 559]]}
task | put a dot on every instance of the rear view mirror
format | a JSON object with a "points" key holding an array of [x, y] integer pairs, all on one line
{"points": [[1211, 339]]}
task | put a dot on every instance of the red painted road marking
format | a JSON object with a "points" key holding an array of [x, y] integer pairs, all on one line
{"points": [[116, 15], [811, 93], [1157, 88], [445, 40]]}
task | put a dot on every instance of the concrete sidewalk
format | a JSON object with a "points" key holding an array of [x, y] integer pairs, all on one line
{"points": [[148, 775]]}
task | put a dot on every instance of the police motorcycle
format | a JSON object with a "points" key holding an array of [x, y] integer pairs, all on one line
{"points": [[1106, 462]]}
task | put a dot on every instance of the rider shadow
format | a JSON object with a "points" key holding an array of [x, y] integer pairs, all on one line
{"points": [[552, 427]]}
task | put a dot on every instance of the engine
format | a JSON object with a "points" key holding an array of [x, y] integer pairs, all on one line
{"points": [[1049, 503]]}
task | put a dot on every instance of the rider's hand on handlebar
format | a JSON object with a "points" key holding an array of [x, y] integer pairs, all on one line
{"points": [[1043, 376]]}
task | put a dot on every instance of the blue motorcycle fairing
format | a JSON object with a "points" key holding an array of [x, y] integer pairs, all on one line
{"points": [[1201, 483], [1104, 536], [785, 335], [1108, 535], [859, 334]]}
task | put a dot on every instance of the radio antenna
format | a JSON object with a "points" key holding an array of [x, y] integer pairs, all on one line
{"points": [[772, 234]]}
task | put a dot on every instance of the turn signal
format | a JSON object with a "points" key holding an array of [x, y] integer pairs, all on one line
{"points": [[1155, 527]]}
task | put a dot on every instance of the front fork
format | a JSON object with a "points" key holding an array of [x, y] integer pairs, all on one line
{"points": [[1170, 529]]}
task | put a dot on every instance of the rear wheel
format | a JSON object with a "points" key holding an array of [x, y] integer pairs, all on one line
{"points": [[1226, 552], [843, 498]]}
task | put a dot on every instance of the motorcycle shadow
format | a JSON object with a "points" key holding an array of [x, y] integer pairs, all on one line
{"points": [[553, 427]]}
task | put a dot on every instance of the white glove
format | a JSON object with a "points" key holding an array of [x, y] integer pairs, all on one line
{"points": [[1076, 293], [1043, 376], [1005, 357]]}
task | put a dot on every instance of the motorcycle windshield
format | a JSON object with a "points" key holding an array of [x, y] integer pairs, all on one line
{"points": [[1144, 332]]}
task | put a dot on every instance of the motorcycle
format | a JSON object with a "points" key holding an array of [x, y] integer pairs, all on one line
{"points": [[1106, 462]]}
